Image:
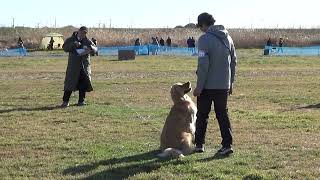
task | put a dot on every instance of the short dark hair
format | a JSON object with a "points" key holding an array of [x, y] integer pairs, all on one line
{"points": [[205, 18], [83, 28]]}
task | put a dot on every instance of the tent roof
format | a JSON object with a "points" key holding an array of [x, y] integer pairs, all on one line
{"points": [[53, 35]]}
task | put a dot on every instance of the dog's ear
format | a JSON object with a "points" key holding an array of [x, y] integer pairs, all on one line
{"points": [[187, 87], [187, 84]]}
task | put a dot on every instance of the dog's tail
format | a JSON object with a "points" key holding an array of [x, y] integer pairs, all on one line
{"points": [[171, 152]]}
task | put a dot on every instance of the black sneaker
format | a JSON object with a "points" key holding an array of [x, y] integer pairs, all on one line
{"points": [[225, 151], [199, 149], [64, 104], [81, 103]]}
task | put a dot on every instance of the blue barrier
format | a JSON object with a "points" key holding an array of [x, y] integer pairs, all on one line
{"points": [[109, 51], [149, 50], [13, 52], [292, 51]]}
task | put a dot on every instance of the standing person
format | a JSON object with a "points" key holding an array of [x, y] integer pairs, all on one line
{"points": [[269, 42], [21, 48], [154, 46], [50, 46], [215, 76], [78, 74], [268, 47], [280, 45], [158, 46], [168, 41], [95, 42], [137, 42], [189, 43], [161, 42], [137, 45], [193, 45]]}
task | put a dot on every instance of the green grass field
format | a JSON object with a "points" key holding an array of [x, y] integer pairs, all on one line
{"points": [[275, 114]]}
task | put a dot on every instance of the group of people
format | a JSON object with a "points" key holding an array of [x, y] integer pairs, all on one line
{"points": [[215, 76], [155, 45], [270, 46], [191, 42]]}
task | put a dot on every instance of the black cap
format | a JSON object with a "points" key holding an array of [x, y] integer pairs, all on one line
{"points": [[205, 18], [83, 28]]}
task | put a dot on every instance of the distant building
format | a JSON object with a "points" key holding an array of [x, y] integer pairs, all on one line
{"points": [[57, 38]]}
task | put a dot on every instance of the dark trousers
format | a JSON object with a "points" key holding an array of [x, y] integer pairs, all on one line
{"points": [[219, 97], [67, 94], [82, 86]]}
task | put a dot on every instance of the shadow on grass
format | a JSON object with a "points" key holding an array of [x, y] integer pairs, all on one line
{"points": [[215, 157], [140, 163], [313, 106], [46, 108]]}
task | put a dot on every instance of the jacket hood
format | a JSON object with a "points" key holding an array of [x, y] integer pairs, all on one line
{"points": [[218, 30]]}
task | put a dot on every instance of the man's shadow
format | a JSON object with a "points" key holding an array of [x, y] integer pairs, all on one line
{"points": [[216, 157], [313, 106], [116, 169], [45, 108]]}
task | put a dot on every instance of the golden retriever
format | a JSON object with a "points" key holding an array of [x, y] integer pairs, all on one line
{"points": [[177, 135]]}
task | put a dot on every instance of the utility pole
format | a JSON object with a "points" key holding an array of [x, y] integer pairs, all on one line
{"points": [[13, 22], [55, 22], [110, 24]]}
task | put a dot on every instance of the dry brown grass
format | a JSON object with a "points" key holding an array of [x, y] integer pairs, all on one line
{"points": [[243, 38]]}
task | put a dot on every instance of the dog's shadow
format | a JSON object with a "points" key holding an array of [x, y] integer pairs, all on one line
{"points": [[140, 163]]}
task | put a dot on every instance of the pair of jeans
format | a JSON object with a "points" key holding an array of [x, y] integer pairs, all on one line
{"points": [[219, 97]]}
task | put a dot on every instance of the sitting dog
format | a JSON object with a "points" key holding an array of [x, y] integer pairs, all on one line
{"points": [[177, 135]]}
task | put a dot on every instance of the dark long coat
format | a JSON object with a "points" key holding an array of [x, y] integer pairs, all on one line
{"points": [[76, 62]]}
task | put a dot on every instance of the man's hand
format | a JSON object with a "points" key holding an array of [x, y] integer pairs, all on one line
{"points": [[231, 89], [77, 43], [87, 51], [197, 92]]}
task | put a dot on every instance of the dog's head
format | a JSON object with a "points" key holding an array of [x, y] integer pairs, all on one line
{"points": [[178, 90]]}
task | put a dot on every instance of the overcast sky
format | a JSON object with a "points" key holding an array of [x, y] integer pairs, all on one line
{"points": [[160, 14]]}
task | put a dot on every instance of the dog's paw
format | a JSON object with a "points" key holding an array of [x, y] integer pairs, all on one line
{"points": [[181, 156]]}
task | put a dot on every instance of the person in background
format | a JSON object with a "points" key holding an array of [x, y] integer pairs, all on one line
{"points": [[269, 42], [154, 46], [78, 73], [158, 46], [193, 45], [268, 47], [215, 76], [22, 50], [50, 46], [161, 42], [168, 41], [95, 42], [189, 43], [280, 45], [137, 45]]}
